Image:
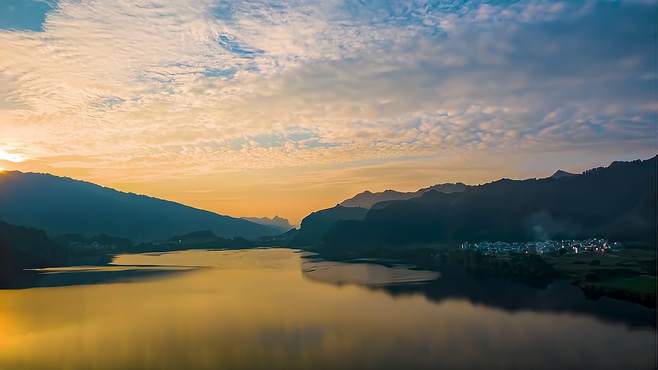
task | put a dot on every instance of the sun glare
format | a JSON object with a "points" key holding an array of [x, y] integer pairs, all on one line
{"points": [[11, 157]]}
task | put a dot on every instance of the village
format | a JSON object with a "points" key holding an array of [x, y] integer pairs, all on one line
{"points": [[596, 246]]}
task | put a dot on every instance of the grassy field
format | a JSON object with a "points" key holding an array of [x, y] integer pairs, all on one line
{"points": [[641, 284], [628, 274], [630, 261]]}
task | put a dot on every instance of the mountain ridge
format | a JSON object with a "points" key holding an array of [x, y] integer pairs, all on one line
{"points": [[368, 199], [614, 201], [62, 205]]}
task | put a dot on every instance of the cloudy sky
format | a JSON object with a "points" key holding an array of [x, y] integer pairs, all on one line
{"points": [[263, 107]]}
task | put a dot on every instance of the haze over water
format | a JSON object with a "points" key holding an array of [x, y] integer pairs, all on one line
{"points": [[276, 309]]}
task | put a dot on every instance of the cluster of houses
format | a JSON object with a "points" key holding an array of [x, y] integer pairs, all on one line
{"points": [[591, 246]]}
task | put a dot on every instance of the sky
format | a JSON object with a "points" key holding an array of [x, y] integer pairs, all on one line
{"points": [[263, 108]]}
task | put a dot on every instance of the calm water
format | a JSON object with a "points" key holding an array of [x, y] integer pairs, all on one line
{"points": [[275, 309]]}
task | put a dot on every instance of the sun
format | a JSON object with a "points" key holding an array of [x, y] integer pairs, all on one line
{"points": [[11, 157]]}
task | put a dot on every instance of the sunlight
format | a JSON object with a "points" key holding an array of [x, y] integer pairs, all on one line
{"points": [[11, 157]]}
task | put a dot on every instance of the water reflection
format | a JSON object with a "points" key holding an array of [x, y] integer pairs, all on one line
{"points": [[365, 274], [456, 283], [254, 310], [86, 275]]}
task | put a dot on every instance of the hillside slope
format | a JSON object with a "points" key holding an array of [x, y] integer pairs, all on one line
{"points": [[617, 202], [61, 205]]}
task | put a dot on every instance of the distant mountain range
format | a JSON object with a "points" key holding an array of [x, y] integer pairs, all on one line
{"points": [[60, 205], [276, 222], [617, 202], [87, 222], [367, 199]]}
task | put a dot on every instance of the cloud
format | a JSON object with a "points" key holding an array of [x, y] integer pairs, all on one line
{"points": [[148, 86]]}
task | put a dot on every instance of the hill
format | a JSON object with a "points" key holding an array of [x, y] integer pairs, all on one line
{"points": [[317, 224], [60, 205], [617, 202], [24, 248]]}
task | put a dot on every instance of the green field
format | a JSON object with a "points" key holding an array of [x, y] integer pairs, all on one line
{"points": [[628, 274], [641, 284]]}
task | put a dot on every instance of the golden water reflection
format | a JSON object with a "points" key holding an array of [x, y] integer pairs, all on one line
{"points": [[253, 309]]}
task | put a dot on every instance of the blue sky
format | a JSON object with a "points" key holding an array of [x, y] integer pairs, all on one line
{"points": [[24, 15], [327, 97]]}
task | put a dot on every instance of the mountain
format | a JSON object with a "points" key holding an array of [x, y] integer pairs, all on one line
{"points": [[368, 199], [617, 202], [27, 248], [445, 188], [317, 224], [276, 222], [60, 205]]}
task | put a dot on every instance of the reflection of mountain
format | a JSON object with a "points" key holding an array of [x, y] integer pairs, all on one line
{"points": [[617, 202], [61, 205], [368, 199], [368, 274], [456, 283], [30, 279]]}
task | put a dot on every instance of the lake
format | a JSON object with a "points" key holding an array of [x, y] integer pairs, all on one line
{"points": [[283, 309]]}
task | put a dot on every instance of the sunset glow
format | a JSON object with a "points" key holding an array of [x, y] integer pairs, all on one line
{"points": [[328, 184], [10, 157], [264, 108]]}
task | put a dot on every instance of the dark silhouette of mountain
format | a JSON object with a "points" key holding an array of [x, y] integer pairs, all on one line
{"points": [[279, 223], [23, 247], [617, 202], [368, 199], [316, 225], [60, 205]]}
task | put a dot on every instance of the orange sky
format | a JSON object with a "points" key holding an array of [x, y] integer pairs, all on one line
{"points": [[248, 109], [294, 192]]}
